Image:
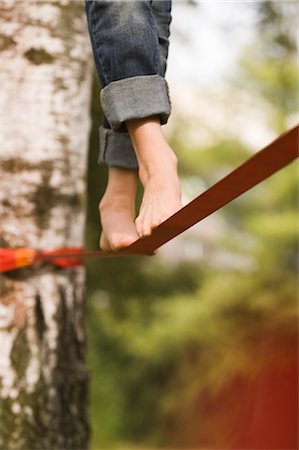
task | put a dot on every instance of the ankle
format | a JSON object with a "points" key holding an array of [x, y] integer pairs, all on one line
{"points": [[159, 166], [153, 153], [120, 191]]}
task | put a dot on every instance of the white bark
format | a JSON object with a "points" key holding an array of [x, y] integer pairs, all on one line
{"points": [[45, 95]]}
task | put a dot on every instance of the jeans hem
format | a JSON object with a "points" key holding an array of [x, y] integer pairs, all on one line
{"points": [[135, 98], [116, 149]]}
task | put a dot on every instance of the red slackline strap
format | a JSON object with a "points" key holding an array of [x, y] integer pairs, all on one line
{"points": [[260, 166]]}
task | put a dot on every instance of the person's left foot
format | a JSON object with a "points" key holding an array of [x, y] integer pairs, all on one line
{"points": [[119, 230], [117, 210]]}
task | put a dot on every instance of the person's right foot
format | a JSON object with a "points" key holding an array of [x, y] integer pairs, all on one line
{"points": [[162, 194], [157, 172]]}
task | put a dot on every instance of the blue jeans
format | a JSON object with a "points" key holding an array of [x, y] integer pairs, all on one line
{"points": [[130, 42]]}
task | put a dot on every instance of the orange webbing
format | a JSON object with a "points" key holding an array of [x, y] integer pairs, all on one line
{"points": [[14, 258], [260, 166]]}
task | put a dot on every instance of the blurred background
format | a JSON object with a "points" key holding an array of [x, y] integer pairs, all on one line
{"points": [[197, 347]]}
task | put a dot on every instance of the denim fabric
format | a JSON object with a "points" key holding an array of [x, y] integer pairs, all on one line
{"points": [[130, 43], [116, 149], [135, 97]]}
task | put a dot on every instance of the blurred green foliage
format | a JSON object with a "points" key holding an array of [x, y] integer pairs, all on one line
{"points": [[166, 340], [268, 66]]}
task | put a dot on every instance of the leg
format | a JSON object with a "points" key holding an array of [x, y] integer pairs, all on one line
{"points": [[130, 43], [117, 207], [157, 162], [127, 54]]}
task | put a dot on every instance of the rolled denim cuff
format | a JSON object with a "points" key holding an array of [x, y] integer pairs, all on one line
{"points": [[135, 98], [116, 149]]}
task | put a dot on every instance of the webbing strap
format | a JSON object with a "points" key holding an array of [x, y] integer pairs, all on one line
{"points": [[260, 166], [256, 169]]}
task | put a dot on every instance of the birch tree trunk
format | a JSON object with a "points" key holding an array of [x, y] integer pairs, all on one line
{"points": [[46, 85]]}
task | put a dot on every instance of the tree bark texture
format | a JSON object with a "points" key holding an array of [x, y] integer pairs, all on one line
{"points": [[46, 85]]}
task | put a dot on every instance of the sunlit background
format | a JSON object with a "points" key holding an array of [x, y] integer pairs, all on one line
{"points": [[196, 347]]}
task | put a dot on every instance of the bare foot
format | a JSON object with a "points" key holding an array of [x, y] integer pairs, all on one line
{"points": [[157, 172], [117, 210]]}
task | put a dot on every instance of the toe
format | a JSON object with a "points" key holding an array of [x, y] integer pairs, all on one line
{"points": [[146, 228], [146, 232], [156, 222], [139, 225]]}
